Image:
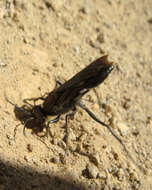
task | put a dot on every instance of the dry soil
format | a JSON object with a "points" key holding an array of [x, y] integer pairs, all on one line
{"points": [[44, 40]]}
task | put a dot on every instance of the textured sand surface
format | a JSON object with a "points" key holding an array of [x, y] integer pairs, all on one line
{"points": [[43, 40]]}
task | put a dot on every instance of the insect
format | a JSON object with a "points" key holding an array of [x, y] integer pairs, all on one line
{"points": [[68, 96]]}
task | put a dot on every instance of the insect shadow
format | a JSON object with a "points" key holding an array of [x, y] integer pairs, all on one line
{"points": [[65, 99]]}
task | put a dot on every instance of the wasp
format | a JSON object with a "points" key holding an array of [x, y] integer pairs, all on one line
{"points": [[67, 97]]}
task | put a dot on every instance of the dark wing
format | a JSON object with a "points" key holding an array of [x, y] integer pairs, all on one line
{"points": [[89, 77], [67, 95]]}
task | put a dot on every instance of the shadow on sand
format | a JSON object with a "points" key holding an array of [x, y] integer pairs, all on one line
{"points": [[26, 178]]}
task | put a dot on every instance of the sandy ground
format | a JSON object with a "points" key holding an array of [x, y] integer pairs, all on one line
{"points": [[41, 40]]}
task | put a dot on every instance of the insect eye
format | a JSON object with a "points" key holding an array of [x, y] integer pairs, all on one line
{"points": [[110, 69]]}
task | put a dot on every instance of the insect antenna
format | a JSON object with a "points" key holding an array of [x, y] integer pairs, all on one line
{"points": [[16, 106]]}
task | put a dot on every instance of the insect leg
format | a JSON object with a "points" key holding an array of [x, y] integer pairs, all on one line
{"points": [[26, 125], [33, 99], [50, 122], [54, 120], [15, 130], [70, 115], [92, 115], [58, 83], [80, 104]]}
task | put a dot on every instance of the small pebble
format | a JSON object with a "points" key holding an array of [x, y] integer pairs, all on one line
{"points": [[110, 170], [107, 108], [2, 64], [100, 38], [26, 158], [102, 175], [135, 132], [120, 174], [76, 49], [85, 10], [29, 147], [123, 128], [56, 5], [95, 158], [127, 104], [55, 160], [92, 171], [72, 136]]}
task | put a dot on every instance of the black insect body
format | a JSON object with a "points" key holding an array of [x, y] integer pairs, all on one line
{"points": [[67, 96]]}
